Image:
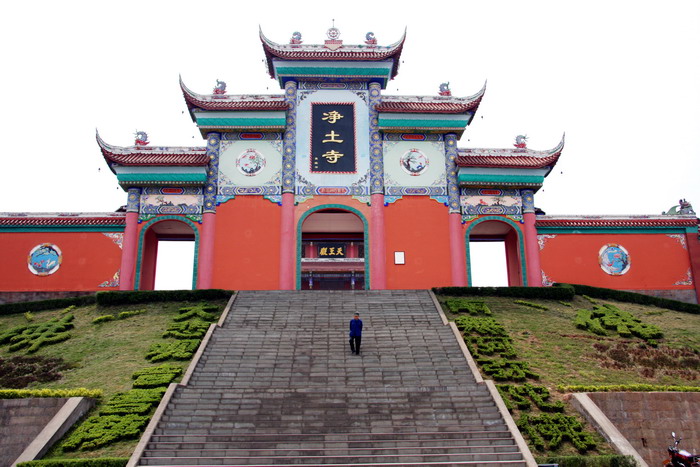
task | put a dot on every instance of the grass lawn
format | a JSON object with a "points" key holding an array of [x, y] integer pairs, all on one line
{"points": [[102, 356]]}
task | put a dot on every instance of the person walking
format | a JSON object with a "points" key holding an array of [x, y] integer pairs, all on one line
{"points": [[355, 334]]}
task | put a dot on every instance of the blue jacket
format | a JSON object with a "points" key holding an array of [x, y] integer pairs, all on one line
{"points": [[355, 328]]}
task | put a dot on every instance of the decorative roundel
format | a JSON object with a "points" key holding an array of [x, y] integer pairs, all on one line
{"points": [[614, 259], [250, 163], [44, 259], [414, 162], [333, 33]]}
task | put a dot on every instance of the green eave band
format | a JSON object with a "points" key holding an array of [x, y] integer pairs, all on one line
{"points": [[488, 178], [329, 71], [242, 122], [405, 123], [614, 230], [166, 177]]}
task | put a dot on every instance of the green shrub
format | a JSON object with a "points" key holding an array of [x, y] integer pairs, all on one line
{"points": [[194, 329], [109, 298], [522, 395], [550, 293], [93, 462], [506, 370], [203, 312], [482, 326], [101, 430], [103, 319], [34, 336], [567, 304], [27, 393], [551, 430], [590, 299], [129, 314], [612, 318], [156, 376], [41, 305], [29, 316], [627, 388], [461, 305], [630, 297], [135, 401], [490, 345], [180, 350], [589, 461], [531, 305]]}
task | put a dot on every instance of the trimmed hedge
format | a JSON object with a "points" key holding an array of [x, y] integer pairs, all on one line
{"points": [[547, 293], [630, 297], [627, 388], [50, 304], [614, 460], [109, 298], [94, 462], [25, 393]]}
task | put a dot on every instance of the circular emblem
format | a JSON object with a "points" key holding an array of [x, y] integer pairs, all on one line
{"points": [[250, 163], [614, 259], [414, 162], [333, 33], [44, 259]]}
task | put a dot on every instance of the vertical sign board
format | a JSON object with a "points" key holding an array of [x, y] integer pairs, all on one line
{"points": [[333, 138]]}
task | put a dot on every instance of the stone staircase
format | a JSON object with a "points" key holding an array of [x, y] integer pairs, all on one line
{"points": [[277, 385]]}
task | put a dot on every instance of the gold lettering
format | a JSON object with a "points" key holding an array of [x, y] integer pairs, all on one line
{"points": [[332, 139], [332, 116], [340, 251], [323, 251], [331, 250], [332, 156]]}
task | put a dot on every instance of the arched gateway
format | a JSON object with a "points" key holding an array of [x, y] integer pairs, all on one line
{"points": [[331, 183]]}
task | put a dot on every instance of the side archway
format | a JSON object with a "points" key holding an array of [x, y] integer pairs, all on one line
{"points": [[495, 228], [329, 228], [165, 228]]}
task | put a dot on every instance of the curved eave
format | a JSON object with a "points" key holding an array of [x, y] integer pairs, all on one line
{"points": [[320, 52], [153, 156], [433, 105], [226, 102], [527, 159]]}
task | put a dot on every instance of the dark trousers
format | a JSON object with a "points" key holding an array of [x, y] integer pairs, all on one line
{"points": [[355, 344]]}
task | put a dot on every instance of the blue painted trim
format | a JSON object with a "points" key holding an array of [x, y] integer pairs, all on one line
{"points": [[139, 254], [521, 246], [333, 206]]}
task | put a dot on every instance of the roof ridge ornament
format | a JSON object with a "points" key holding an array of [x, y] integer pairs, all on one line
{"points": [[296, 38], [220, 88], [370, 39], [521, 142], [333, 33], [141, 138], [445, 89]]}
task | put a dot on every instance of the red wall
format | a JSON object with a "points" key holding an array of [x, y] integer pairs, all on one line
{"points": [[89, 259], [247, 246], [657, 261], [418, 226]]}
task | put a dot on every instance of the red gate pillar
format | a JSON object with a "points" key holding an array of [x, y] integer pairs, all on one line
{"points": [[131, 241], [532, 249]]}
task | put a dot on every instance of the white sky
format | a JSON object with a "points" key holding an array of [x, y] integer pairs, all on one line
{"points": [[621, 78]]}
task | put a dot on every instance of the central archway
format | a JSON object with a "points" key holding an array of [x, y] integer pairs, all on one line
{"points": [[332, 249]]}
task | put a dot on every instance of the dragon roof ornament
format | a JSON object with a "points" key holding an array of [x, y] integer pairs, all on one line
{"points": [[152, 155], [232, 102], [510, 158], [321, 52], [431, 104]]}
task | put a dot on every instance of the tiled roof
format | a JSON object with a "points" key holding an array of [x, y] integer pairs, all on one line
{"points": [[319, 52], [509, 158], [153, 155], [430, 104], [616, 221], [226, 102], [17, 219]]}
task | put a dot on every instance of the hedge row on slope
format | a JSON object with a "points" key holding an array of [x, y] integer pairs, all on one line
{"points": [[630, 297]]}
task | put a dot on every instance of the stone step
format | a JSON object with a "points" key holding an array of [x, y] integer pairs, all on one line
{"points": [[353, 459]]}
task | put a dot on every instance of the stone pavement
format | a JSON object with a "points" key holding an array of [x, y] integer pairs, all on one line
{"points": [[277, 385]]}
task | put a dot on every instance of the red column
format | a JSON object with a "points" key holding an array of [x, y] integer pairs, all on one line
{"points": [[532, 249], [287, 256], [377, 251], [694, 253], [205, 266], [458, 253], [129, 249]]}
